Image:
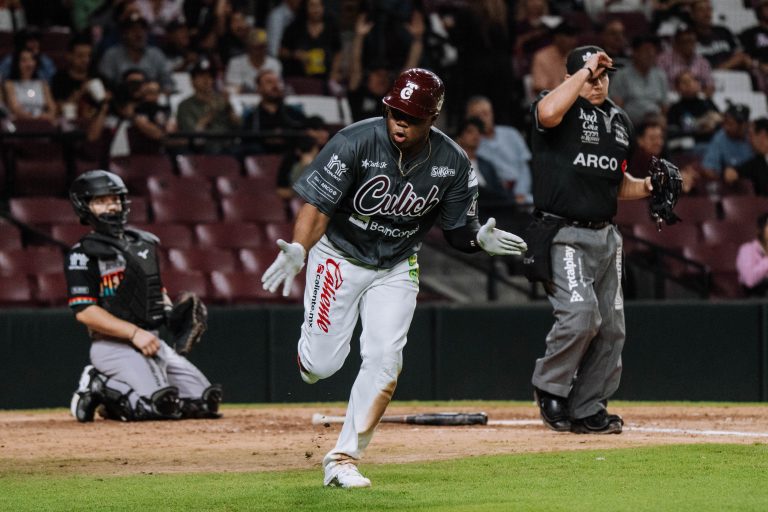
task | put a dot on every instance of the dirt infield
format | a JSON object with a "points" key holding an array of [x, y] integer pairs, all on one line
{"points": [[277, 438]]}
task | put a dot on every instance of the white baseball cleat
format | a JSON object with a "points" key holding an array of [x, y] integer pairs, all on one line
{"points": [[344, 475]]}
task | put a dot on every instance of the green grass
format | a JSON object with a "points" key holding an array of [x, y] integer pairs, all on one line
{"points": [[668, 478]]}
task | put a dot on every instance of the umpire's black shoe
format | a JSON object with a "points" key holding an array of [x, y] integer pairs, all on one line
{"points": [[553, 410], [600, 423]]}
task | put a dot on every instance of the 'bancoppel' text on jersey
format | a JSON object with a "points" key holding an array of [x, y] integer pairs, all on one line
{"points": [[579, 164]]}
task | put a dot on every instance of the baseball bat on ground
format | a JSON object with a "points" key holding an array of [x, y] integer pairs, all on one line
{"points": [[439, 418]]}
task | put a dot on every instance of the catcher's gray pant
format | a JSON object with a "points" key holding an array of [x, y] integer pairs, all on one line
{"points": [[336, 294], [583, 356], [145, 375]]}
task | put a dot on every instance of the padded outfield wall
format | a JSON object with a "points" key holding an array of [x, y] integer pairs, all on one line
{"points": [[674, 351]]}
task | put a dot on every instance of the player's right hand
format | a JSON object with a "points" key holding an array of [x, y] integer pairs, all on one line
{"points": [[285, 267], [146, 342]]}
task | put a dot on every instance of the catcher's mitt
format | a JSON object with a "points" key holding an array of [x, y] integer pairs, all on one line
{"points": [[187, 322], [667, 186]]}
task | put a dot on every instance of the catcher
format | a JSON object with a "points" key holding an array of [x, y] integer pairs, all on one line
{"points": [[581, 142], [115, 289]]}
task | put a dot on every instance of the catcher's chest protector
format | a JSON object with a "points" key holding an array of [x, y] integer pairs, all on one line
{"points": [[139, 296]]}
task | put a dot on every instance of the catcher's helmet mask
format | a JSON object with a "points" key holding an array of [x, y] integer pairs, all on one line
{"points": [[417, 92], [99, 183]]}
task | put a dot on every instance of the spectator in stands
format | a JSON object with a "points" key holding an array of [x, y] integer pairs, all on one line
{"points": [[649, 143], [682, 56], [754, 40], [152, 121], [234, 41], [756, 168], [693, 119], [729, 146], [12, 17], [303, 152], [490, 186], [68, 84], [207, 110], [278, 19], [368, 84], [205, 17], [614, 41], [548, 63], [159, 13], [272, 114], [30, 41], [715, 42], [752, 261], [311, 45], [179, 54], [641, 88], [243, 70], [134, 52], [505, 148], [598, 10], [390, 30], [531, 34], [28, 97]]}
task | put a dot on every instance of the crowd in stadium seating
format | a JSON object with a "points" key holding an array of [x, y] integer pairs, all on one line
{"points": [[140, 78]]}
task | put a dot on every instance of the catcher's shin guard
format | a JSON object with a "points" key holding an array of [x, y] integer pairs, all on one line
{"points": [[84, 400], [207, 406]]}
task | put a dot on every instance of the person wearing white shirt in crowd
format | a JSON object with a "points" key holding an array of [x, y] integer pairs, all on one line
{"points": [[505, 148], [243, 70], [278, 18]]}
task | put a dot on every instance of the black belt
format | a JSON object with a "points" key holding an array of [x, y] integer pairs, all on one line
{"points": [[588, 224]]}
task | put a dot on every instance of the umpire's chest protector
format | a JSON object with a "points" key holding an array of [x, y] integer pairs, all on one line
{"points": [[139, 296], [579, 164]]}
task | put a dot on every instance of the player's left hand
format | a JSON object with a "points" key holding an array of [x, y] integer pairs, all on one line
{"points": [[285, 267], [497, 242]]}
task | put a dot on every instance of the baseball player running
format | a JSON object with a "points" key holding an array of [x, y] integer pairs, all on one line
{"points": [[580, 142], [372, 194], [115, 289]]}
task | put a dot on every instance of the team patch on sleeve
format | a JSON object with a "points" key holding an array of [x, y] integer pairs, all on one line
{"points": [[78, 261], [326, 189]]}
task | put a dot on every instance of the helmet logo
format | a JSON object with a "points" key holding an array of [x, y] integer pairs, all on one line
{"points": [[407, 91]]}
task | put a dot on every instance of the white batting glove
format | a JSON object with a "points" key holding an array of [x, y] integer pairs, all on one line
{"points": [[497, 242], [285, 267]]}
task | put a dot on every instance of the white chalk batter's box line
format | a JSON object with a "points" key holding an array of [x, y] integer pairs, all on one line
{"points": [[653, 430]]}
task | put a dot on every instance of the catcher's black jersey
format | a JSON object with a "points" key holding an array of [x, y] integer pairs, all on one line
{"points": [[579, 164], [379, 214]]}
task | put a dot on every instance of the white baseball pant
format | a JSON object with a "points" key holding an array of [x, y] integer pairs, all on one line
{"points": [[336, 294]]}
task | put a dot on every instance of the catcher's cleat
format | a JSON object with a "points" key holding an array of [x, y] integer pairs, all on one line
{"points": [[84, 400], [344, 475], [600, 423], [553, 410]]}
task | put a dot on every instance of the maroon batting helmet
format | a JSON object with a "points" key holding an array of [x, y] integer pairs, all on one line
{"points": [[417, 92]]}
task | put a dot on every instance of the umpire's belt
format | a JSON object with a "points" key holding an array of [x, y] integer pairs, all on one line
{"points": [[588, 224]]}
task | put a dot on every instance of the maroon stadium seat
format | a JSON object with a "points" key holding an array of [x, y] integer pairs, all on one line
{"points": [[282, 230], [305, 85], [10, 236], [182, 210], [42, 210], [178, 281], [204, 259], [51, 289], [178, 236], [718, 232], [244, 207], [237, 287], [191, 188], [264, 167], [32, 260], [630, 213], [694, 209], [208, 166], [69, 233], [744, 208], [257, 260], [228, 186], [721, 261], [15, 291], [230, 235], [135, 170], [138, 213], [671, 237], [40, 177]]}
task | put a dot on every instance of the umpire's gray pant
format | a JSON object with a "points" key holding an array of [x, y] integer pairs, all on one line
{"points": [[583, 356]]}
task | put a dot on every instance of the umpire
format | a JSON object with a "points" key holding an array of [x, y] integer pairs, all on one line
{"points": [[581, 142]]}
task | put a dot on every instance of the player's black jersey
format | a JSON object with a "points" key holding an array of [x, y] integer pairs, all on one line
{"points": [[579, 164], [379, 214], [121, 276]]}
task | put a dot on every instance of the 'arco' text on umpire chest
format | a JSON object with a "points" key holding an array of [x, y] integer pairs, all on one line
{"points": [[374, 197]]}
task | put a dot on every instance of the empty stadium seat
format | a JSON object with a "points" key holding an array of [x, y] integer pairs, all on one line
{"points": [[243, 287], [230, 235], [257, 260], [632, 212], [51, 289], [732, 80], [717, 232], [744, 208], [135, 169], [190, 187], [42, 210], [204, 259], [182, 210], [69, 233], [10, 236], [670, 237], [138, 206], [279, 230], [178, 236], [208, 166], [41, 177], [263, 167], [179, 281], [227, 186], [15, 291], [304, 85], [243, 207], [721, 261], [695, 209], [32, 260]]}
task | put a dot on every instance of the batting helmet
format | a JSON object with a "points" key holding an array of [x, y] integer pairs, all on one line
{"points": [[94, 184], [417, 92]]}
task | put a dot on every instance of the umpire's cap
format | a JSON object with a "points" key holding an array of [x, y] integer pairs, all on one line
{"points": [[579, 56], [417, 92]]}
